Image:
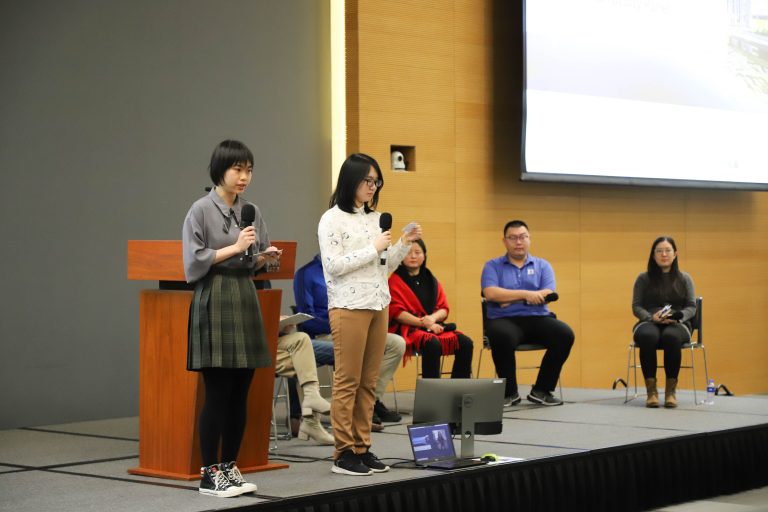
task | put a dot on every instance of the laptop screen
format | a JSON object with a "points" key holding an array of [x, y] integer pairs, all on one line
{"points": [[431, 442]]}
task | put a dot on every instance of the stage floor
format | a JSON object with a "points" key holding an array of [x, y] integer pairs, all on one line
{"points": [[83, 466]]}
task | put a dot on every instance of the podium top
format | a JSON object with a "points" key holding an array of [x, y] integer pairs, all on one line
{"points": [[161, 260]]}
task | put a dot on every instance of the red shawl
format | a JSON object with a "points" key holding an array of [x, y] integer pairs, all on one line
{"points": [[403, 299]]}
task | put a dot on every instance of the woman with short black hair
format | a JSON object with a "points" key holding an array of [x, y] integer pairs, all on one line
{"points": [[664, 303], [226, 335]]}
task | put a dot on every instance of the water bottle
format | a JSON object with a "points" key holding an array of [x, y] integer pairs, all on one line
{"points": [[710, 392]]}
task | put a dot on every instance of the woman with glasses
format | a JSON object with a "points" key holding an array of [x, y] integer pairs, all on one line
{"points": [[418, 312], [355, 269], [226, 334], [664, 303]]}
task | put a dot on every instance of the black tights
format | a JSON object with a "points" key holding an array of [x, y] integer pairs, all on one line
{"points": [[462, 362], [650, 337], [222, 419]]}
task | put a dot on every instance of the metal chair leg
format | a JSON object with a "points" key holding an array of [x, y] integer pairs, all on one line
{"points": [[394, 394], [706, 371], [626, 388], [479, 362], [278, 394], [693, 376]]}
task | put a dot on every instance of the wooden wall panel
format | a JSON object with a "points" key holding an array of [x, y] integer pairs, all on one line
{"points": [[443, 75]]}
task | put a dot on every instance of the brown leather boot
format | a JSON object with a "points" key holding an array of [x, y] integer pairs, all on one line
{"points": [[670, 401], [653, 393]]}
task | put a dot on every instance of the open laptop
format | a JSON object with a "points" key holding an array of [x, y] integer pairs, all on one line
{"points": [[433, 447]]}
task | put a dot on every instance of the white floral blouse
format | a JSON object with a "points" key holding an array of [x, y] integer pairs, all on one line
{"points": [[353, 273]]}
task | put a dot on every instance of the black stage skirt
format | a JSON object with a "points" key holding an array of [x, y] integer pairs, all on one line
{"points": [[225, 325]]}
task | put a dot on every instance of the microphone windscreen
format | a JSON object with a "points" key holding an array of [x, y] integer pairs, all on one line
{"points": [[248, 214], [552, 297], [385, 221]]}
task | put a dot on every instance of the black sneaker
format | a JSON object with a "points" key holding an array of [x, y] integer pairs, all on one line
{"points": [[236, 478], [214, 482], [376, 420], [380, 410], [543, 398], [373, 462], [349, 463], [509, 401]]}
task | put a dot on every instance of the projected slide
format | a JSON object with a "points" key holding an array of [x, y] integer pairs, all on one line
{"points": [[628, 91]]}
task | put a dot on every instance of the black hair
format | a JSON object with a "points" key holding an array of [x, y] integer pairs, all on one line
{"points": [[674, 287], [353, 171], [514, 224], [423, 249], [226, 154]]}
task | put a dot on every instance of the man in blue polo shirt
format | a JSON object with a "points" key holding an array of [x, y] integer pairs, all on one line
{"points": [[515, 287]]}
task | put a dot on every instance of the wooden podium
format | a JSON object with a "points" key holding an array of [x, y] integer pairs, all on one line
{"points": [[170, 397]]}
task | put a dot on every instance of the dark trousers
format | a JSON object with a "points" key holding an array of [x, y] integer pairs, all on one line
{"points": [[222, 420], [650, 337], [505, 334], [432, 350]]}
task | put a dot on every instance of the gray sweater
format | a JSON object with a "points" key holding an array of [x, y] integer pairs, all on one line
{"points": [[645, 304], [211, 225]]}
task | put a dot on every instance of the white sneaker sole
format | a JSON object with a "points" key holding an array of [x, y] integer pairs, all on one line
{"points": [[229, 493], [247, 487], [342, 471], [380, 470]]}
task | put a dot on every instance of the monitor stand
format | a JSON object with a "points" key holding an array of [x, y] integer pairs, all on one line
{"points": [[467, 426]]}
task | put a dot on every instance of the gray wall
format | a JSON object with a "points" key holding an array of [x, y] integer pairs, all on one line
{"points": [[109, 112]]}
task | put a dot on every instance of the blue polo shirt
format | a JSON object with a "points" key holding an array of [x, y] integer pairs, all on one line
{"points": [[536, 274]]}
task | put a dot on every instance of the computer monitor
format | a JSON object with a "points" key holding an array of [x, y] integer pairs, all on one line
{"points": [[471, 406]]}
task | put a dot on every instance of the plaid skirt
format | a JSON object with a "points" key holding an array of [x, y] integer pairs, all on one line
{"points": [[225, 326]]}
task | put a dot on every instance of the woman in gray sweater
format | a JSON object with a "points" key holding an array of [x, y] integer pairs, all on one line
{"points": [[664, 303], [226, 334]]}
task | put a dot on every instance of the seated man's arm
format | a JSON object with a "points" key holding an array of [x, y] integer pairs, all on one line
{"points": [[505, 296], [493, 292]]}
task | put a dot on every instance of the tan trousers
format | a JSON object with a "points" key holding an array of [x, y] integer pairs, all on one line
{"points": [[295, 357], [394, 350], [359, 337]]}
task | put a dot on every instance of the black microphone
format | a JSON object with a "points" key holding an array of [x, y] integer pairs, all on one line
{"points": [[550, 297], [247, 216], [385, 223]]}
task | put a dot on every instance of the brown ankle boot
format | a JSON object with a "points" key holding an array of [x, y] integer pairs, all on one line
{"points": [[653, 393], [670, 401]]}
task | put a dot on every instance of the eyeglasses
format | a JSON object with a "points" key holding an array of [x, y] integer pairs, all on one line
{"points": [[664, 251], [372, 182], [513, 238]]}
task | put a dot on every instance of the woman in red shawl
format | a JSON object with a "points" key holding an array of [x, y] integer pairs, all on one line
{"points": [[417, 313]]}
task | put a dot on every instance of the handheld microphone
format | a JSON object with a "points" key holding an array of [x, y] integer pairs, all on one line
{"points": [[385, 223], [550, 297], [247, 216]]}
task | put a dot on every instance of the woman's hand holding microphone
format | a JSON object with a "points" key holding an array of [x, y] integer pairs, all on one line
{"points": [[382, 241], [245, 239]]}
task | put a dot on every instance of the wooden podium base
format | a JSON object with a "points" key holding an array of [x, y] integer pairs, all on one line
{"points": [[170, 397]]}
